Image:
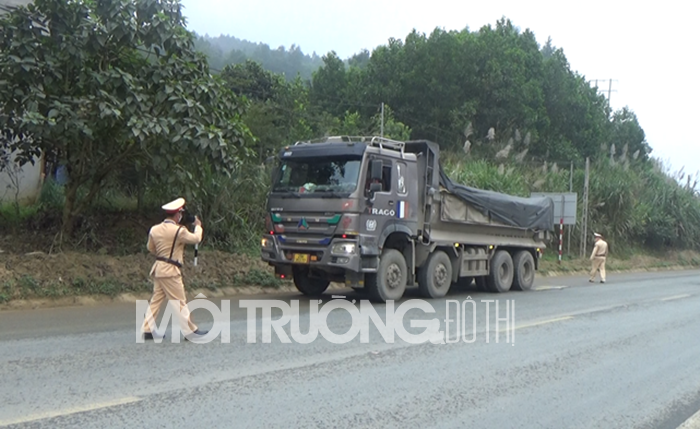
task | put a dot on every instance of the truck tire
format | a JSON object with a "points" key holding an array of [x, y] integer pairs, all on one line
{"points": [[435, 277], [308, 286], [524, 265], [389, 282], [500, 278]]}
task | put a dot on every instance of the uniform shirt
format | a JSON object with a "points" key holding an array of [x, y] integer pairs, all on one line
{"points": [[600, 250], [160, 242]]}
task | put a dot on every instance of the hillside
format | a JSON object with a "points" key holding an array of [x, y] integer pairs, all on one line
{"points": [[225, 50]]}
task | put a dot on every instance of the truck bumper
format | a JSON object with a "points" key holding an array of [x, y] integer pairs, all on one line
{"points": [[284, 256]]}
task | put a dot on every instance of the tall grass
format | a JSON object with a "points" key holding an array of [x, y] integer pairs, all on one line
{"points": [[640, 207], [233, 208]]}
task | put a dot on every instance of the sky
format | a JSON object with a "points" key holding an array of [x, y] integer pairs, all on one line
{"points": [[648, 49]]}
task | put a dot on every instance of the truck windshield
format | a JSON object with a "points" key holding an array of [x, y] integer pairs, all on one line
{"points": [[320, 175]]}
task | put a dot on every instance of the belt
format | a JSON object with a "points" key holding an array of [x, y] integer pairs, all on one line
{"points": [[169, 261], [601, 256]]}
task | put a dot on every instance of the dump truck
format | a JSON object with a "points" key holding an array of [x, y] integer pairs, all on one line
{"points": [[381, 216]]}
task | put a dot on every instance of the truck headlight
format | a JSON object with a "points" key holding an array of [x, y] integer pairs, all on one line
{"points": [[343, 248], [266, 243]]}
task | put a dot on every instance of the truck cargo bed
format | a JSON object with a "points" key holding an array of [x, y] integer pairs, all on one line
{"points": [[463, 204]]}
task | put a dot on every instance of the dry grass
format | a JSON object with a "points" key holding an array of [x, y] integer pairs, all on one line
{"points": [[638, 262]]}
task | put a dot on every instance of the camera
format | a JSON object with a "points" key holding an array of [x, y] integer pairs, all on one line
{"points": [[188, 220]]}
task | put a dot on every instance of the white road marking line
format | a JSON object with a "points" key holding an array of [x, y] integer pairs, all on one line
{"points": [[692, 423], [529, 325], [69, 411], [670, 298], [550, 287]]}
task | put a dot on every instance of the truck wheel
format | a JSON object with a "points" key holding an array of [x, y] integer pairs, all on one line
{"points": [[435, 277], [524, 265], [389, 282], [308, 286], [500, 277]]}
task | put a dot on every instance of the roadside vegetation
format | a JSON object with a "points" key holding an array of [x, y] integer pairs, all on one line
{"points": [[137, 114]]}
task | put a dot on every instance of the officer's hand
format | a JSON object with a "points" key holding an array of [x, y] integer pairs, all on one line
{"points": [[197, 222]]}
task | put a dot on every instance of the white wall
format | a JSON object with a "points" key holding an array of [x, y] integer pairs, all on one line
{"points": [[14, 2], [27, 179]]}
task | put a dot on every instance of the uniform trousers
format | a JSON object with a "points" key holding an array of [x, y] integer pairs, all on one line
{"points": [[173, 289], [598, 263]]}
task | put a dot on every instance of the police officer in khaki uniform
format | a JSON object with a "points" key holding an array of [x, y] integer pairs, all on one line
{"points": [[167, 242], [598, 257]]}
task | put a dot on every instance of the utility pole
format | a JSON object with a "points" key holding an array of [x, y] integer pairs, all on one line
{"points": [[561, 228], [571, 189], [571, 178], [610, 90], [584, 229], [382, 120]]}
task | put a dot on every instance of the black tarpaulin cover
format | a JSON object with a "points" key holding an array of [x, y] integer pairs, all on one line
{"points": [[529, 213]]}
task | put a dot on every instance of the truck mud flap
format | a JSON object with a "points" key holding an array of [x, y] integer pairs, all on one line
{"points": [[370, 264], [283, 271], [354, 280]]}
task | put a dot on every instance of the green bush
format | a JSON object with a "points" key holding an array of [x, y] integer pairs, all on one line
{"points": [[52, 195], [232, 208]]}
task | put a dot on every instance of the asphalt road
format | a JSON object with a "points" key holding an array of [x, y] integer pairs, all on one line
{"points": [[621, 355]]}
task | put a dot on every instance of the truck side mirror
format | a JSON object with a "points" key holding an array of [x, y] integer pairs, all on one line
{"points": [[375, 187], [376, 169]]}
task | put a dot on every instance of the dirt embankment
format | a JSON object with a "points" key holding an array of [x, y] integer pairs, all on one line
{"points": [[212, 267], [54, 276]]}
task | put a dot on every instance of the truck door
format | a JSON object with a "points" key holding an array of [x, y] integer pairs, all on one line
{"points": [[390, 201], [382, 198]]}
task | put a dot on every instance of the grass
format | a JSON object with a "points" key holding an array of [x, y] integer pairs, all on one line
{"points": [[13, 216], [27, 287], [257, 277]]}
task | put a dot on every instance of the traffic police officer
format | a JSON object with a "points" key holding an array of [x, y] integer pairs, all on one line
{"points": [[598, 257], [167, 242]]}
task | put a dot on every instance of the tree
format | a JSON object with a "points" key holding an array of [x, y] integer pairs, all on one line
{"points": [[277, 114], [329, 85], [252, 80], [393, 129], [628, 136], [359, 60], [108, 83]]}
